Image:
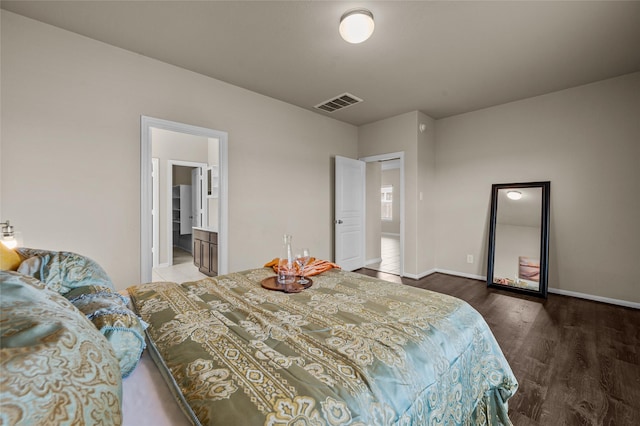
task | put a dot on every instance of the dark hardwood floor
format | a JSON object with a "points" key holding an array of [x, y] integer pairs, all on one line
{"points": [[577, 361]]}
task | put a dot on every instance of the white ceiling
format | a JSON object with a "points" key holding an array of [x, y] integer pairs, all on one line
{"points": [[441, 58]]}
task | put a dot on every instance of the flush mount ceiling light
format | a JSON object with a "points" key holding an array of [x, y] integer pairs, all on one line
{"points": [[514, 195], [356, 25]]}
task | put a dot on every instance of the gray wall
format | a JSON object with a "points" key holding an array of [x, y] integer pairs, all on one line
{"points": [[586, 141], [426, 197], [402, 134], [71, 111], [397, 134], [70, 174]]}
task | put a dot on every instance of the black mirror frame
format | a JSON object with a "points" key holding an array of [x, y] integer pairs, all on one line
{"points": [[544, 236]]}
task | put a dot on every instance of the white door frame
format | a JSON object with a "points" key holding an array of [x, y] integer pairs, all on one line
{"points": [[169, 195], [146, 225], [393, 156], [156, 211]]}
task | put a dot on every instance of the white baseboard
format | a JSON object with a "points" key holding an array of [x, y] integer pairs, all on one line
{"points": [[370, 261], [618, 302], [462, 274], [389, 234], [595, 298], [420, 275]]}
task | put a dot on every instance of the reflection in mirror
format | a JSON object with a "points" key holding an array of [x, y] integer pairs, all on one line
{"points": [[518, 241]]}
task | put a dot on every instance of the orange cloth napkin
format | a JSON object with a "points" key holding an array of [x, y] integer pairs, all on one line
{"points": [[314, 267]]}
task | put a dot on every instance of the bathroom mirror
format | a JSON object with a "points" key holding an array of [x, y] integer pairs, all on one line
{"points": [[519, 237]]}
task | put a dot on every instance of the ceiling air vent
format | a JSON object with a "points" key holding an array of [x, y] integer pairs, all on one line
{"points": [[339, 102]]}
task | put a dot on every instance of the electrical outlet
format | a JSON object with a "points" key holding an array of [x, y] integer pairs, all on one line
{"points": [[469, 258]]}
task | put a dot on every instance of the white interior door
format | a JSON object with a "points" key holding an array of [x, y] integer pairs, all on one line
{"points": [[186, 212], [196, 196], [349, 221]]}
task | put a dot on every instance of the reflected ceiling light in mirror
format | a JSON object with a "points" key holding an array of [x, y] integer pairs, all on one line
{"points": [[356, 25], [514, 195]]}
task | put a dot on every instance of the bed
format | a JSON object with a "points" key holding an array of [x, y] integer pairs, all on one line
{"points": [[349, 350], [67, 340]]}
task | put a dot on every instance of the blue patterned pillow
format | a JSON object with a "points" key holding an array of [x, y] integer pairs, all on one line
{"points": [[62, 271], [109, 313], [55, 367]]}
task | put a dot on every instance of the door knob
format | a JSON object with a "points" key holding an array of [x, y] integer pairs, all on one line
{"points": [[338, 221]]}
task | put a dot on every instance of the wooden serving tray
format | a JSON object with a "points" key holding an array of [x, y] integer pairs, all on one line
{"points": [[272, 283]]}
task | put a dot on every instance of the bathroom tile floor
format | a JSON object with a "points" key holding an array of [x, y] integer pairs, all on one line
{"points": [[390, 253], [182, 270]]}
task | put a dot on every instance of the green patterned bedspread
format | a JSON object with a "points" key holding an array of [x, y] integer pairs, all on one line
{"points": [[350, 350]]}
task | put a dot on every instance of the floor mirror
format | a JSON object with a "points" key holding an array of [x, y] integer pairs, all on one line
{"points": [[519, 237]]}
